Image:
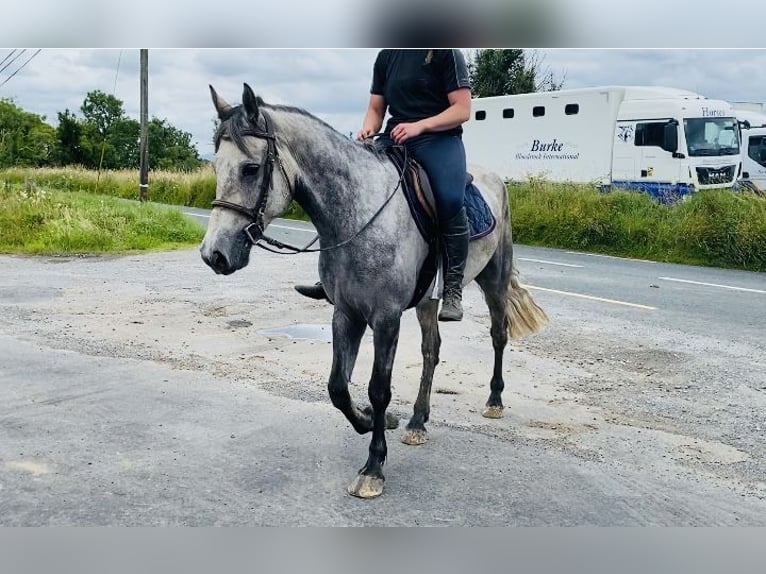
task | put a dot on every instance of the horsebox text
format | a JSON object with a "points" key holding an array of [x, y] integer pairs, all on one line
{"points": [[537, 148]]}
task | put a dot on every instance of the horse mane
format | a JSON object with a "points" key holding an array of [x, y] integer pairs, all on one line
{"points": [[236, 126]]}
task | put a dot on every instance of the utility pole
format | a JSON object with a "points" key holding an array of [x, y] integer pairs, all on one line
{"points": [[144, 145]]}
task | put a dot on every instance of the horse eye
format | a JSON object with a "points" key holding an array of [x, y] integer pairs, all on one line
{"points": [[250, 169]]}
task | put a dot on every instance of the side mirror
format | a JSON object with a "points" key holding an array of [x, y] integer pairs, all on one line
{"points": [[670, 137]]}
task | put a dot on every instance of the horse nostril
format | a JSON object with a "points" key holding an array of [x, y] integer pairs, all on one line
{"points": [[218, 260]]}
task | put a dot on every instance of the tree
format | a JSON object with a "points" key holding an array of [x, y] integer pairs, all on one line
{"points": [[106, 137], [171, 148], [25, 138], [507, 72], [69, 133], [102, 111]]}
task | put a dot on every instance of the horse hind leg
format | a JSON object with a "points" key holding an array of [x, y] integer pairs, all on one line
{"points": [[494, 295], [513, 313], [415, 433]]}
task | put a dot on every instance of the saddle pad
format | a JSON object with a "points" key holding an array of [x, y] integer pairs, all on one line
{"points": [[481, 221]]}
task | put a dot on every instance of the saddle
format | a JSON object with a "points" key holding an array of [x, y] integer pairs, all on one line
{"points": [[420, 199]]}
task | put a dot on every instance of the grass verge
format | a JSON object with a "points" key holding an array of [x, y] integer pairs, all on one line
{"points": [[37, 221], [717, 228]]}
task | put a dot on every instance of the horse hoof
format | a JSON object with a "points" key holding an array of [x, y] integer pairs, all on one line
{"points": [[415, 437], [366, 487], [493, 412]]}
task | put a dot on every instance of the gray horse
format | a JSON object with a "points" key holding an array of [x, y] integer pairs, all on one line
{"points": [[269, 155]]}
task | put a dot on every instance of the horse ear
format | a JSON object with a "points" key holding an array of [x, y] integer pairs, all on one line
{"points": [[221, 105], [251, 103]]}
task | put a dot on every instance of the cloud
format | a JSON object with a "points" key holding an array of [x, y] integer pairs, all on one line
{"points": [[334, 84]]}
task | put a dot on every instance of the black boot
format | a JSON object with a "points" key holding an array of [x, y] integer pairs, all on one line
{"points": [[315, 291], [455, 235]]}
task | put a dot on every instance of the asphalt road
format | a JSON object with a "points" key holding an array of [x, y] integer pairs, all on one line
{"points": [[145, 390]]}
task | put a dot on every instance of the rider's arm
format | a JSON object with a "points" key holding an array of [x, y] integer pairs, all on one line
{"points": [[373, 119], [458, 112]]}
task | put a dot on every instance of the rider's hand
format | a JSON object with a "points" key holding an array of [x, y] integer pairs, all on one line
{"points": [[365, 133], [402, 132]]}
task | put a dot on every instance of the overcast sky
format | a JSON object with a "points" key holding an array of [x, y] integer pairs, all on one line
{"points": [[330, 83]]}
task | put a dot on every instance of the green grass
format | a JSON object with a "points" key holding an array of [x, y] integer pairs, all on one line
{"points": [[193, 189], [34, 220], [717, 228]]}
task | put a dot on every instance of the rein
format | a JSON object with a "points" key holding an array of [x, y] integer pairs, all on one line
{"points": [[255, 231]]}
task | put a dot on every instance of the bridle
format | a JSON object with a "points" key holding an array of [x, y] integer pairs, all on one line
{"points": [[255, 229]]}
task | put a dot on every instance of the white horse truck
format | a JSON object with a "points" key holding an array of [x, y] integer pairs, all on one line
{"points": [[664, 141], [752, 120]]}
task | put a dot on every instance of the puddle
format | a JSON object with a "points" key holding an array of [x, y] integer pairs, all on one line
{"points": [[301, 332], [28, 294]]}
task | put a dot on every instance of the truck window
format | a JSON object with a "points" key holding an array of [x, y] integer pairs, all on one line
{"points": [[713, 136], [481, 115], [650, 133], [571, 109], [756, 149], [538, 111], [508, 113]]}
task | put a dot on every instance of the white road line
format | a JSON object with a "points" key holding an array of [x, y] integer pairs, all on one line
{"points": [[549, 262], [272, 225], [610, 257], [593, 298], [712, 285]]}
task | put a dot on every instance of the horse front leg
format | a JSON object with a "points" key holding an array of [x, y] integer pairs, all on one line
{"points": [[416, 434], [369, 481], [346, 336]]}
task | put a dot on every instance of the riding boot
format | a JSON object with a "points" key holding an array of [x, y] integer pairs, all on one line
{"points": [[315, 291], [455, 235]]}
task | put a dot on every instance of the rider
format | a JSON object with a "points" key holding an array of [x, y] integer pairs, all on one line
{"points": [[428, 96]]}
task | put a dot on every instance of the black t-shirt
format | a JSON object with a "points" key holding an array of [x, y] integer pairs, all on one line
{"points": [[415, 83]]}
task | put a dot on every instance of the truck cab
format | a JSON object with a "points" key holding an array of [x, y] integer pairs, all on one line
{"points": [[754, 158], [675, 143]]}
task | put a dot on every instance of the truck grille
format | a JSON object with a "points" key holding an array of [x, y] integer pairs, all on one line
{"points": [[712, 176]]}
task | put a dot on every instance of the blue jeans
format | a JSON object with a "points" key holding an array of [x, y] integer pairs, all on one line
{"points": [[443, 158]]}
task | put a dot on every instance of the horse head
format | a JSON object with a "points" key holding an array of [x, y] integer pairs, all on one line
{"points": [[252, 185]]}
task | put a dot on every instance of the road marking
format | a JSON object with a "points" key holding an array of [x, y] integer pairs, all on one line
{"points": [[713, 285], [610, 257], [593, 298], [272, 225], [546, 262]]}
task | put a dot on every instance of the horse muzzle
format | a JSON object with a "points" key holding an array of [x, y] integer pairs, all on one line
{"points": [[218, 262]]}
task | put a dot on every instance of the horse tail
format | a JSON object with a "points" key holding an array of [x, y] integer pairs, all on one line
{"points": [[522, 315]]}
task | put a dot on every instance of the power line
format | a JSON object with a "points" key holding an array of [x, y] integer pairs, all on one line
{"points": [[20, 67], [8, 56], [103, 143], [14, 59]]}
